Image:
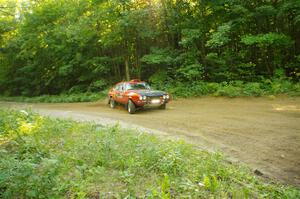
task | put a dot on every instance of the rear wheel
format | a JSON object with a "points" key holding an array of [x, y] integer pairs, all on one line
{"points": [[112, 103], [131, 107], [163, 106]]}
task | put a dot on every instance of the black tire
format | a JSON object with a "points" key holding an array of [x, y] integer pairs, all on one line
{"points": [[131, 107], [112, 103], [163, 106]]}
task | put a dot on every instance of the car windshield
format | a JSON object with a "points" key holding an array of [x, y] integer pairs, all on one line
{"points": [[137, 86]]}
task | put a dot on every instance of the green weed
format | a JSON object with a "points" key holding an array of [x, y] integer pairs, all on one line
{"points": [[51, 158], [62, 98], [235, 88]]}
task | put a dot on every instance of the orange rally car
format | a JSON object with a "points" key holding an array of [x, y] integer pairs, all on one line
{"points": [[137, 94]]}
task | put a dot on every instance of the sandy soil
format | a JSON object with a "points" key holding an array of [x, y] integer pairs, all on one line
{"points": [[260, 132]]}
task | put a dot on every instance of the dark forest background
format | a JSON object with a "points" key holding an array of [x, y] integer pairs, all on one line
{"points": [[69, 46]]}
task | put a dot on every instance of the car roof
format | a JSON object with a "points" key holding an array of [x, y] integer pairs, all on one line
{"points": [[133, 81]]}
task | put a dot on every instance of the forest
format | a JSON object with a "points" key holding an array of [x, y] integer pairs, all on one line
{"points": [[73, 46], [61, 51]]}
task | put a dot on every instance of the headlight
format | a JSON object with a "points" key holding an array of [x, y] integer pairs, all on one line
{"points": [[142, 97], [166, 96]]}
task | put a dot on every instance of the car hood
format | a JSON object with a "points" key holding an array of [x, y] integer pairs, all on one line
{"points": [[149, 93]]}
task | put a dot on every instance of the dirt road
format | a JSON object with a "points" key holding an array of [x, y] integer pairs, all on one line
{"points": [[263, 133]]}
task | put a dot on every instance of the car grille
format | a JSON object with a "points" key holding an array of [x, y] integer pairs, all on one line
{"points": [[148, 100]]}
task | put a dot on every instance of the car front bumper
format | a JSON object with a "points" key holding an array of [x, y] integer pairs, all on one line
{"points": [[152, 102]]}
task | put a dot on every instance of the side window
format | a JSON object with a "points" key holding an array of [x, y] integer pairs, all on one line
{"points": [[117, 87], [120, 87], [124, 87]]}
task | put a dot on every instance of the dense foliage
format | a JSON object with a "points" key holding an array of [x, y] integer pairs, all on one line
{"points": [[62, 98], [54, 46], [51, 158]]}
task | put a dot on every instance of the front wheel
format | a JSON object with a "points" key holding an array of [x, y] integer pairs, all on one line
{"points": [[163, 106], [131, 107], [112, 103]]}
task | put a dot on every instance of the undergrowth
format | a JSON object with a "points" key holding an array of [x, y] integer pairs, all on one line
{"points": [[177, 89], [235, 88], [52, 158], [62, 98]]}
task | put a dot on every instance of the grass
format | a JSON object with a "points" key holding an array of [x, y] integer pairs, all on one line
{"points": [[62, 98], [52, 158]]}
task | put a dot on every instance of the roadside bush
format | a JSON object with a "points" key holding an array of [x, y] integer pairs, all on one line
{"points": [[228, 90], [281, 86], [75, 97], [252, 89], [235, 88], [203, 88], [296, 90]]}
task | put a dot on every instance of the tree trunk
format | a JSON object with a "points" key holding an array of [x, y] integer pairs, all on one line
{"points": [[137, 58], [127, 75]]}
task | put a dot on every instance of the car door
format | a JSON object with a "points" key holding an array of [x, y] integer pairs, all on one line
{"points": [[118, 93], [122, 94]]}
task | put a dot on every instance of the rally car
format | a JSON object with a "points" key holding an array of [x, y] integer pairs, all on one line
{"points": [[136, 94]]}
